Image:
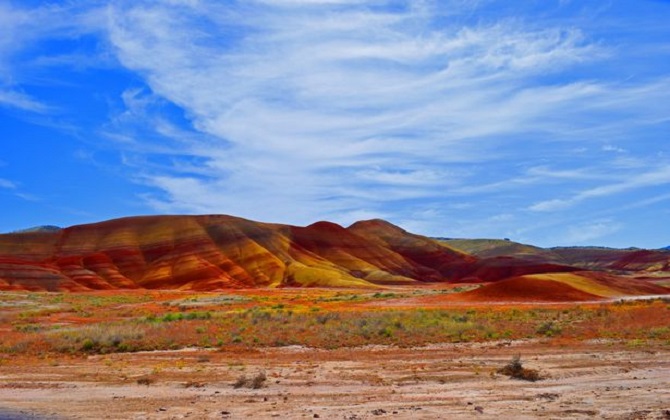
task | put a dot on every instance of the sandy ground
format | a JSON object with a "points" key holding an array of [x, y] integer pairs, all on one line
{"points": [[449, 381]]}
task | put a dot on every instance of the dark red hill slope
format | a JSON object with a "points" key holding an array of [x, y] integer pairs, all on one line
{"points": [[217, 252]]}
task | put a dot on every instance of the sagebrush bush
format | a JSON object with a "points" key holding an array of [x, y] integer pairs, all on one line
{"points": [[514, 369], [253, 383], [99, 338]]}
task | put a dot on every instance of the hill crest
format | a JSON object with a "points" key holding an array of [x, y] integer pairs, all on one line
{"points": [[217, 252]]}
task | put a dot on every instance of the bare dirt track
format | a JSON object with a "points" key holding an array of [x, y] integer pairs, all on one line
{"points": [[597, 379]]}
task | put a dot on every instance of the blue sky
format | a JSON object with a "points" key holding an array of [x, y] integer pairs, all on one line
{"points": [[544, 121]]}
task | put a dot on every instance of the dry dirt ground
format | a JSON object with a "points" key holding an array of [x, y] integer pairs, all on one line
{"points": [[604, 380]]}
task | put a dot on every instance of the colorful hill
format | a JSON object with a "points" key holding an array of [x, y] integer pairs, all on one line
{"points": [[490, 248], [219, 252], [622, 261], [616, 260], [523, 290], [561, 287]]}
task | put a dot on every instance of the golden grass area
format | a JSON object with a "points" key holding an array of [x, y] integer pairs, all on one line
{"points": [[111, 322]]}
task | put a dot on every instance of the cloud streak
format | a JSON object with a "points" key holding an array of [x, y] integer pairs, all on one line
{"points": [[13, 99], [339, 106], [298, 110], [656, 177], [588, 232], [5, 183]]}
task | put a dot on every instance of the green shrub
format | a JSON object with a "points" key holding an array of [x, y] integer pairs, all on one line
{"points": [[548, 329]]}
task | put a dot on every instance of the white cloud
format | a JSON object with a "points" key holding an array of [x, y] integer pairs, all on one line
{"points": [[21, 29], [553, 205], [29, 197], [654, 177], [591, 231], [297, 110], [612, 148], [410, 177], [5, 183], [21, 101], [315, 101], [546, 172]]}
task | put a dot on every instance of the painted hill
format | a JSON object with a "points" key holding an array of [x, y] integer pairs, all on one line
{"points": [[523, 290], [616, 260], [623, 261], [498, 248], [218, 252], [561, 287]]}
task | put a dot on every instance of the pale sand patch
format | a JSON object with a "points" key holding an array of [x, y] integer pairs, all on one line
{"points": [[604, 380]]}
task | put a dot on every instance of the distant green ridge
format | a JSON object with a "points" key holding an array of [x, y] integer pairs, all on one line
{"points": [[45, 228]]}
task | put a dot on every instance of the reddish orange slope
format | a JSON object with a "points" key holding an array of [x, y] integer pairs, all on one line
{"points": [[148, 252], [219, 252], [215, 252], [563, 287], [427, 258], [519, 289]]}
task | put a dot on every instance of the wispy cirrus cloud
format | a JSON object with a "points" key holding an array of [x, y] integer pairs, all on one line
{"points": [[341, 106], [22, 29], [589, 232], [14, 99], [5, 183], [483, 117], [655, 177]]}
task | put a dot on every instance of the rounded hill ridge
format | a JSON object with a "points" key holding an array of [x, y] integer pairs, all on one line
{"points": [[215, 252]]}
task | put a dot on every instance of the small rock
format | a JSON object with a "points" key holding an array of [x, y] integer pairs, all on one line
{"points": [[479, 409]]}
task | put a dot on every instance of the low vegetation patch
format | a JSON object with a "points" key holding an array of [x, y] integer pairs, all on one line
{"points": [[179, 316], [99, 338], [89, 324], [549, 329]]}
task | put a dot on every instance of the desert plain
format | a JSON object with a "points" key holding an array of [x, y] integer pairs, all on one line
{"points": [[329, 353]]}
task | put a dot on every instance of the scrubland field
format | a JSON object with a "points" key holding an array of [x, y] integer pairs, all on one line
{"points": [[330, 353]]}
